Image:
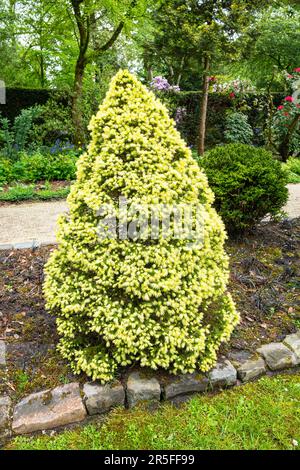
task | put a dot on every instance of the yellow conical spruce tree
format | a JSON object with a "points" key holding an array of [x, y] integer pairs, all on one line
{"points": [[159, 302]]}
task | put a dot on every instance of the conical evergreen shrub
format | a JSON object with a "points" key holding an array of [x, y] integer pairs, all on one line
{"points": [[157, 303]]}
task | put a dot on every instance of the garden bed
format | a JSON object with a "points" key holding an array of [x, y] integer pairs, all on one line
{"points": [[40, 191], [265, 281]]}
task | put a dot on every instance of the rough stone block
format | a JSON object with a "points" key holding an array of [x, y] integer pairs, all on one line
{"points": [[101, 398], [293, 342], [49, 409], [184, 384], [251, 369], [278, 356], [5, 405], [223, 375], [142, 389]]}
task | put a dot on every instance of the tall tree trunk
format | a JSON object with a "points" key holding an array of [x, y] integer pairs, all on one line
{"points": [[83, 25], [86, 24], [42, 70], [203, 107], [180, 71], [147, 67], [77, 116]]}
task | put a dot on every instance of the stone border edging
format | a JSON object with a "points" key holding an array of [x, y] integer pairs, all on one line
{"points": [[69, 404], [33, 245]]}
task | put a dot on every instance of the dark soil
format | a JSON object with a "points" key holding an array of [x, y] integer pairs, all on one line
{"points": [[265, 283]]}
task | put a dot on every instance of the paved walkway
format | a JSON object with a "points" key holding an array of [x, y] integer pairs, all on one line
{"points": [[293, 206], [35, 223]]}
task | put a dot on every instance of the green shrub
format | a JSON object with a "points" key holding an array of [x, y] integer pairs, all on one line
{"points": [[30, 168], [37, 167], [5, 171], [155, 302], [55, 121], [237, 128], [292, 167], [15, 138], [62, 167], [17, 193], [22, 192], [248, 183]]}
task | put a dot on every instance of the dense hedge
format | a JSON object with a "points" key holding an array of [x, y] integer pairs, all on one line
{"points": [[253, 105], [21, 98]]}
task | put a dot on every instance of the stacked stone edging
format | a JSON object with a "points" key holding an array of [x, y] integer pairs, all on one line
{"points": [[69, 404]]}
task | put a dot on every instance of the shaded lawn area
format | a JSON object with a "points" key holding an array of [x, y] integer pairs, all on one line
{"points": [[257, 416]]}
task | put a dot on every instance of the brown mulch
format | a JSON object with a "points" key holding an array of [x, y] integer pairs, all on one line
{"points": [[265, 283]]}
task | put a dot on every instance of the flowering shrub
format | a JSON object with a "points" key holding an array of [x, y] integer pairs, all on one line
{"points": [[286, 121], [248, 184], [122, 301], [180, 114], [232, 88], [161, 84]]}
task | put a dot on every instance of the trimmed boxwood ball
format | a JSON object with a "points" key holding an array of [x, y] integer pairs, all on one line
{"points": [[248, 184], [149, 302]]}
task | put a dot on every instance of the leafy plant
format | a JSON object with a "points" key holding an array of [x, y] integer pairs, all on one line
{"points": [[159, 303], [22, 192], [5, 171], [238, 129], [55, 121], [248, 183], [286, 129], [15, 138], [38, 166], [292, 167], [19, 192]]}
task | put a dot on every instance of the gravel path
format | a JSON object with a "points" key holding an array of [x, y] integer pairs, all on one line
{"points": [[35, 223]]}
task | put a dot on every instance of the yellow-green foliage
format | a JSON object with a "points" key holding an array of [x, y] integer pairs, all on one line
{"points": [[120, 302]]}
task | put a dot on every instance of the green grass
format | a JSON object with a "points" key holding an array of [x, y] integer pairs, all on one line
{"points": [[25, 193], [261, 415]]}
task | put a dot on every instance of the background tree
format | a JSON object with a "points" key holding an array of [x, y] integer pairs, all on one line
{"points": [[271, 47], [204, 33]]}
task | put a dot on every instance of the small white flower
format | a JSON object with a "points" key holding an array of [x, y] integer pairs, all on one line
{"points": [[295, 443]]}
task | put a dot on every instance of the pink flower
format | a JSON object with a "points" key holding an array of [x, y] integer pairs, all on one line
{"points": [[286, 114], [280, 107], [289, 98], [232, 95], [290, 76], [297, 70]]}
